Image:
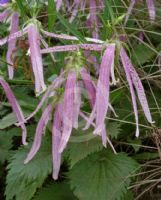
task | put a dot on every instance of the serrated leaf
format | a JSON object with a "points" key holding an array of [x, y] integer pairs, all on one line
{"points": [[57, 191], [84, 142], [5, 145], [78, 151], [9, 120], [113, 129], [102, 176], [6, 142], [27, 177]]}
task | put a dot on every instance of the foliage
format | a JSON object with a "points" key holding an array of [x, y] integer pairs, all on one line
{"points": [[102, 176]]}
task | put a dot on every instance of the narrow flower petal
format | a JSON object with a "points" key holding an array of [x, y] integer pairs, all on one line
{"points": [[130, 83], [36, 58], [74, 47], [56, 84], [103, 87], [89, 86], [138, 86], [4, 15], [12, 44], [16, 108], [151, 9], [68, 110], [56, 137], [132, 3], [68, 37], [77, 105], [58, 4], [39, 132], [12, 37]]}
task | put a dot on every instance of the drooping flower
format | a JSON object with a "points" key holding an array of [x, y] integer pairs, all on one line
{"points": [[56, 138], [16, 108], [13, 17], [135, 82], [103, 89], [39, 132], [36, 58], [68, 110], [12, 44], [106, 72], [34, 51], [151, 9]]}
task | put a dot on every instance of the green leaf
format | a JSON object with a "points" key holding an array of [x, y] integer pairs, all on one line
{"points": [[5, 145], [51, 14], [113, 129], [102, 176], [78, 151], [142, 54], [57, 191], [27, 177], [8, 120], [83, 143]]}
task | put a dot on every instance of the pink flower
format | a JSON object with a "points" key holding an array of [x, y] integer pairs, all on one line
{"points": [[135, 82], [16, 108], [12, 43], [103, 89], [56, 137], [68, 110], [39, 133], [36, 58]]}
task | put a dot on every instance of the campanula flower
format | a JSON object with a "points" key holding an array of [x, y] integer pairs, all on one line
{"points": [[16, 108]]}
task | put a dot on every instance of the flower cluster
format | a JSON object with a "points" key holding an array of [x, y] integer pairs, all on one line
{"points": [[64, 95]]}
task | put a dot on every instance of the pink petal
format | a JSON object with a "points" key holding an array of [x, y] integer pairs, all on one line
{"points": [[103, 87], [12, 44], [129, 80], [68, 110], [56, 84], [77, 105], [89, 86], [4, 15], [74, 47], [36, 58], [16, 108], [138, 86], [56, 137], [39, 132]]}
